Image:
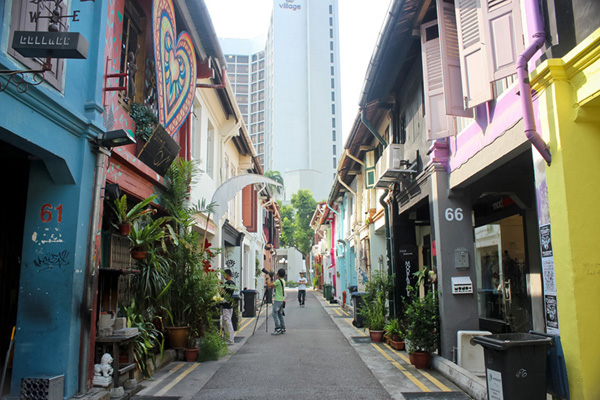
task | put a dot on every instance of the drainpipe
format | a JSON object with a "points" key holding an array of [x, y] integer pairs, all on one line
{"points": [[388, 246], [363, 118], [532, 7], [91, 272]]}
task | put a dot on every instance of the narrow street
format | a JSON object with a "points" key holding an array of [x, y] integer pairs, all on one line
{"points": [[321, 356]]}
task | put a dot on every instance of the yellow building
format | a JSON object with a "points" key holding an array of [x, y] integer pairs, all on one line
{"points": [[569, 110]]}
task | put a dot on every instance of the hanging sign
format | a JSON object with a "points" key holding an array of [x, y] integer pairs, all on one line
{"points": [[175, 67], [160, 151], [50, 44]]}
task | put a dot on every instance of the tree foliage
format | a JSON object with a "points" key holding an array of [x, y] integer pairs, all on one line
{"points": [[276, 176], [296, 230]]}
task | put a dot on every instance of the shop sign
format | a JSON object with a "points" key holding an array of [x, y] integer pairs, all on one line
{"points": [[160, 151], [50, 44]]}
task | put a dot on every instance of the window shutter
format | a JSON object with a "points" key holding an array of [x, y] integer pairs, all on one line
{"points": [[474, 67], [455, 102], [370, 169], [504, 33], [439, 125]]}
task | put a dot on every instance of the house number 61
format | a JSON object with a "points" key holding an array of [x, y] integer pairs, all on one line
{"points": [[452, 214]]}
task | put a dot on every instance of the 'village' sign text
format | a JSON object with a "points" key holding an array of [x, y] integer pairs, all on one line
{"points": [[50, 44]]}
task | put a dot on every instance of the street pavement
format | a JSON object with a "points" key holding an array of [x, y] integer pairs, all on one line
{"points": [[322, 355]]}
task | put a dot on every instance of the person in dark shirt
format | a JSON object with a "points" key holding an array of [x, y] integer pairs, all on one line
{"points": [[228, 307]]}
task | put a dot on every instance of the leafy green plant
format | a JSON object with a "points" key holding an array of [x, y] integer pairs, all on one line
{"points": [[422, 320], [394, 330], [129, 216], [148, 343], [212, 346], [374, 308], [291, 284], [146, 233], [145, 120]]}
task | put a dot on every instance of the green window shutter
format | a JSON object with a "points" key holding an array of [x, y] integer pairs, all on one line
{"points": [[370, 169]]}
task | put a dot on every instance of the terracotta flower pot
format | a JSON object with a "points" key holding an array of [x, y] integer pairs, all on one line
{"points": [[411, 358], [396, 344], [421, 359], [138, 254], [125, 229], [376, 336], [190, 354], [177, 336]]}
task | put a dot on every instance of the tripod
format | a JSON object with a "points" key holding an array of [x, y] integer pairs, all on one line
{"points": [[265, 300]]}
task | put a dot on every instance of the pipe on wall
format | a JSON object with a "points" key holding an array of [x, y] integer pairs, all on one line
{"points": [[539, 37]]}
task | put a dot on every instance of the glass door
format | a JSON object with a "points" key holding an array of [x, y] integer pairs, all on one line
{"points": [[502, 270]]}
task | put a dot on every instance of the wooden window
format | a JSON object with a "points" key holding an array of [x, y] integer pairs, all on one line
{"points": [[23, 19]]}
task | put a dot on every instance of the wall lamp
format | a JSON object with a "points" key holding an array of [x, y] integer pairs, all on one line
{"points": [[115, 138]]}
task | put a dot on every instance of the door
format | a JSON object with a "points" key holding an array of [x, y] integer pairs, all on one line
{"points": [[502, 268]]}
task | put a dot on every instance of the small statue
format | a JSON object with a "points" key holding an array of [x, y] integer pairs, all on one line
{"points": [[103, 371]]}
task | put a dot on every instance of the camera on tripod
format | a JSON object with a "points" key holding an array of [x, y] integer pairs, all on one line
{"points": [[270, 273]]}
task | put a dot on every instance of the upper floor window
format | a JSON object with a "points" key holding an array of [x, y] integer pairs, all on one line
{"points": [[23, 12]]}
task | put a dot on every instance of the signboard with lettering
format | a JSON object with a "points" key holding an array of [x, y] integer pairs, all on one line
{"points": [[50, 44], [160, 151]]}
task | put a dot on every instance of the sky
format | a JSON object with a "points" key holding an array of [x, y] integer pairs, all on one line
{"points": [[360, 24]]}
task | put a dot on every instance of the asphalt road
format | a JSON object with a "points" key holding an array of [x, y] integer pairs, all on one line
{"points": [[311, 360]]}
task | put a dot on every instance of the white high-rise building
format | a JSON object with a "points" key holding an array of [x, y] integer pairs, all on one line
{"points": [[302, 105]]}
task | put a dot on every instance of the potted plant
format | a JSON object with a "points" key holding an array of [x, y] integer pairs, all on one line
{"points": [[145, 234], [395, 334], [145, 120], [374, 309], [125, 217], [191, 348], [422, 320]]}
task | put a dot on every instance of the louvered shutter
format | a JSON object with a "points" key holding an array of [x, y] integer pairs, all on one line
{"points": [[474, 67], [453, 91], [504, 33], [439, 125], [370, 169]]}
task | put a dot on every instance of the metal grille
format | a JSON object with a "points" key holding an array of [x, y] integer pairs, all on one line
{"points": [[42, 388], [120, 255]]}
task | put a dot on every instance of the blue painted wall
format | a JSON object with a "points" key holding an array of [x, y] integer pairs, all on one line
{"points": [[55, 128]]}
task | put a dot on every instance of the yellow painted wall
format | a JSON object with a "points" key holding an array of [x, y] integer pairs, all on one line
{"points": [[570, 119]]}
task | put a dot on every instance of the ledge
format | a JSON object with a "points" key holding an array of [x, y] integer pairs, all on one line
{"points": [[470, 383]]}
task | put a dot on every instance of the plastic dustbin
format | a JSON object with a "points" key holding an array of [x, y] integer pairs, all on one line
{"points": [[515, 365], [327, 291], [357, 303], [249, 303]]}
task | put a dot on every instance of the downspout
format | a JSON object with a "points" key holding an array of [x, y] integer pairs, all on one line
{"points": [[90, 285], [532, 8], [388, 246], [364, 120]]}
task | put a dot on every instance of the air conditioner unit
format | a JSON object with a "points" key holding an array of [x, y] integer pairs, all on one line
{"points": [[391, 167], [470, 354]]}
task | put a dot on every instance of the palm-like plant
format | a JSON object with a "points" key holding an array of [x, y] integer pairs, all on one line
{"points": [[127, 216], [147, 233], [276, 176]]}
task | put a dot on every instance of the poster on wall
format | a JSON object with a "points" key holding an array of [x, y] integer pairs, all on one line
{"points": [[551, 313], [546, 241], [549, 278]]}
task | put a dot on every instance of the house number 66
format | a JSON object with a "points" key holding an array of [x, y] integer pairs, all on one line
{"points": [[452, 214]]}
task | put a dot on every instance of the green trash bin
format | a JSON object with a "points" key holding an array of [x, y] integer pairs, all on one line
{"points": [[515, 365], [327, 291]]}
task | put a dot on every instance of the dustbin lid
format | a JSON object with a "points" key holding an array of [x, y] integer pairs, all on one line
{"points": [[503, 341], [358, 294], [249, 291]]}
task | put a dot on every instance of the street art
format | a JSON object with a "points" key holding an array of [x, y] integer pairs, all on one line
{"points": [[51, 261], [175, 67]]}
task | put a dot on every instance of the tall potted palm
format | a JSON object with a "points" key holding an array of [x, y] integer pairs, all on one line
{"points": [[374, 309], [422, 334]]}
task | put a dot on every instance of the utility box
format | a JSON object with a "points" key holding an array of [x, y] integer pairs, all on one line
{"points": [[43, 388], [461, 258]]}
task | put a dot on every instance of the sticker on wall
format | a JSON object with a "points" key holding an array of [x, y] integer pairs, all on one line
{"points": [[175, 67]]}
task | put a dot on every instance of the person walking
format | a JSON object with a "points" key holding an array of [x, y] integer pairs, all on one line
{"points": [[278, 302], [302, 281], [228, 289]]}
